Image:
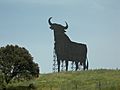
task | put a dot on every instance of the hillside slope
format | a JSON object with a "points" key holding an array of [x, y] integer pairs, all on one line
{"points": [[80, 80]]}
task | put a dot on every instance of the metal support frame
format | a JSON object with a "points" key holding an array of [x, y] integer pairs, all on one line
{"points": [[55, 65], [63, 66], [73, 66], [80, 67]]}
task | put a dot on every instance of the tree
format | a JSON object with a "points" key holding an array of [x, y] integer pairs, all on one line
{"points": [[1, 81], [17, 62]]}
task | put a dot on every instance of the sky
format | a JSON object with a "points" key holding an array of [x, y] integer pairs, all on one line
{"points": [[95, 23]]}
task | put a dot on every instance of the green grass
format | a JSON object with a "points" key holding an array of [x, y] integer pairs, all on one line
{"points": [[101, 79]]}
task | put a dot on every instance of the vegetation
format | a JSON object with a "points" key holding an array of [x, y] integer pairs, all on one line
{"points": [[17, 70], [16, 63], [101, 79]]}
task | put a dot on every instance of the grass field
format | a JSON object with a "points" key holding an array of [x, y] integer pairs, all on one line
{"points": [[101, 79]]}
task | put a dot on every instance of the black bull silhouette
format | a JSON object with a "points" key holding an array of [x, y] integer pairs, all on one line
{"points": [[67, 50]]}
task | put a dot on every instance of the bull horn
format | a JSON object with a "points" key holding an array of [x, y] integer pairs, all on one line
{"points": [[50, 21], [66, 26]]}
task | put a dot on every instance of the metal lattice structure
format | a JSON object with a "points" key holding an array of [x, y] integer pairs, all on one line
{"points": [[55, 65], [73, 66]]}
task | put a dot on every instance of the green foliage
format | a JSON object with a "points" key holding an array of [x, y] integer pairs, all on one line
{"points": [[2, 84], [16, 63]]}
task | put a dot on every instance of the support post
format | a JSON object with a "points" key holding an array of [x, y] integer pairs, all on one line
{"points": [[55, 65]]}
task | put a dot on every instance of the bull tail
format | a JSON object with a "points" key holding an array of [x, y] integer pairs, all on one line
{"points": [[87, 64]]}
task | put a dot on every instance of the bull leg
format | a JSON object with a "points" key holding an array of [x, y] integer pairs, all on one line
{"points": [[66, 65], [62, 66], [87, 65], [84, 65], [58, 62], [76, 63]]}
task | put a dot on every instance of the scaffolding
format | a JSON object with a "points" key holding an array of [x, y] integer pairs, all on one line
{"points": [[62, 64], [55, 65]]}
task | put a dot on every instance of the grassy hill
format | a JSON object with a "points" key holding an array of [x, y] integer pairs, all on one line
{"points": [[101, 79]]}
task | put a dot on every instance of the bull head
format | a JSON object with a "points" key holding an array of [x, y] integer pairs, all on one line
{"points": [[55, 26]]}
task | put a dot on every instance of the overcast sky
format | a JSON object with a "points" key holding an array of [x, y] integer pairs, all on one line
{"points": [[93, 22]]}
